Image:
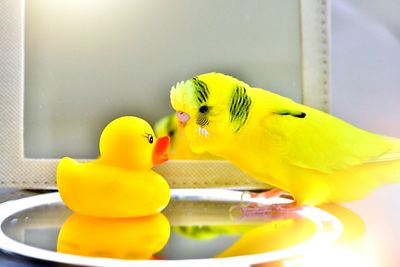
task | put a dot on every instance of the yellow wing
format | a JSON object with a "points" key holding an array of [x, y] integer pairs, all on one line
{"points": [[319, 141]]}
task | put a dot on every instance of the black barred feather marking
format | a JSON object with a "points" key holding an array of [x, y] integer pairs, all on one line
{"points": [[201, 90], [240, 107], [300, 115], [202, 121]]}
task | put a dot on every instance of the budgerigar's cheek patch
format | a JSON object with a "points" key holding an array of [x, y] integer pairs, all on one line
{"points": [[202, 121], [202, 131]]}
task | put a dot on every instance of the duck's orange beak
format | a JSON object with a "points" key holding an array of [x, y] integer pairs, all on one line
{"points": [[160, 150]]}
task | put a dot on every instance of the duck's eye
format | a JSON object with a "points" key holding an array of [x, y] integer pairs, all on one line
{"points": [[150, 138], [203, 109]]}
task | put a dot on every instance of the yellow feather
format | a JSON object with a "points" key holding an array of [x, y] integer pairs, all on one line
{"points": [[316, 157]]}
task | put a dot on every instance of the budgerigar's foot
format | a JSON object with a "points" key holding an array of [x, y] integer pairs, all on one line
{"points": [[274, 192], [273, 196]]}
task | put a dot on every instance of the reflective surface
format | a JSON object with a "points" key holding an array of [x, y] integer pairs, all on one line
{"points": [[201, 224]]}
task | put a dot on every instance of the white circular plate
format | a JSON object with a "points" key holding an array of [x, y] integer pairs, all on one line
{"points": [[11, 209]]}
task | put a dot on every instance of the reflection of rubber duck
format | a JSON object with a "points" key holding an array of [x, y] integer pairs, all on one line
{"points": [[126, 238], [119, 183]]}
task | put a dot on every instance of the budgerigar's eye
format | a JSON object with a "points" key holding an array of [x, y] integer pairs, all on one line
{"points": [[203, 109], [150, 138]]}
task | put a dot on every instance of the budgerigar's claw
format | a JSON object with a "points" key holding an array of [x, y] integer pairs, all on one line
{"points": [[270, 197]]}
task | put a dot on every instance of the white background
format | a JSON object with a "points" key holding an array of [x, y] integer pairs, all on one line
{"points": [[366, 92], [121, 57]]}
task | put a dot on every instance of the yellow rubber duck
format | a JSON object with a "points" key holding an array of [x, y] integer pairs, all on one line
{"points": [[120, 183]]}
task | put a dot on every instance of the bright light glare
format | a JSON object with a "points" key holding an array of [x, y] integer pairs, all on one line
{"points": [[343, 256]]}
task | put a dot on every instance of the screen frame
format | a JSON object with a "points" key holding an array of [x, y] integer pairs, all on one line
{"points": [[35, 173]]}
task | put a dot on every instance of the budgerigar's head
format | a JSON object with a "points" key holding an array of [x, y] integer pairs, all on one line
{"points": [[210, 108]]}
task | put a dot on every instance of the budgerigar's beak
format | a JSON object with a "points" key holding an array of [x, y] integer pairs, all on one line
{"points": [[182, 117], [160, 150]]}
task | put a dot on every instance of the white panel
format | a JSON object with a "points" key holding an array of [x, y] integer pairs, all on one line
{"points": [[88, 62], [315, 58], [38, 172]]}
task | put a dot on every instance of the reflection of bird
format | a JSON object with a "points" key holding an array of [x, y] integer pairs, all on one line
{"points": [[312, 155], [127, 238], [119, 183], [294, 230], [283, 233], [212, 231], [178, 148]]}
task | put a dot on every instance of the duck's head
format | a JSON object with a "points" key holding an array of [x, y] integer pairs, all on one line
{"points": [[129, 142]]}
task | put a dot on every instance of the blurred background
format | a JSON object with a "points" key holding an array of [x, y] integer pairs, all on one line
{"points": [[366, 64], [88, 62], [366, 91]]}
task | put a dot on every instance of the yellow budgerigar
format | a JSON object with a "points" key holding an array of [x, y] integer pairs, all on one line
{"points": [[314, 156]]}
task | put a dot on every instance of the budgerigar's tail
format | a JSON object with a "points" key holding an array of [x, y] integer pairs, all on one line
{"points": [[393, 154], [391, 161]]}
